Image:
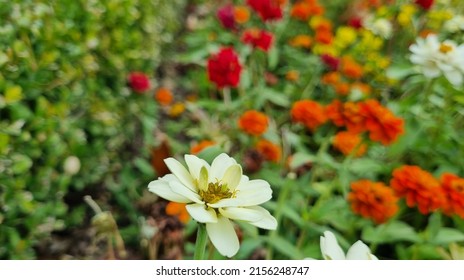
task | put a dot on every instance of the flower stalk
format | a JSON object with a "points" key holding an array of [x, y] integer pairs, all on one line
{"points": [[200, 244]]}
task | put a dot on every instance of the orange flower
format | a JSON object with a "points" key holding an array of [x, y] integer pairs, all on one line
{"points": [[164, 96], [382, 125], [453, 186], [241, 14], [348, 142], [419, 188], [308, 112], [302, 10], [330, 78], [301, 41], [351, 68], [269, 150], [342, 88], [253, 122], [346, 114], [292, 75], [324, 36], [200, 146], [373, 200], [178, 210]]}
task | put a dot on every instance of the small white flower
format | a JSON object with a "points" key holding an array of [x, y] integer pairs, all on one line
{"points": [[71, 165], [435, 58], [381, 27], [332, 251], [454, 24], [214, 194]]}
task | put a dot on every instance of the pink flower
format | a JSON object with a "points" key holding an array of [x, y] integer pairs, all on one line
{"points": [[224, 68], [225, 15], [139, 82]]}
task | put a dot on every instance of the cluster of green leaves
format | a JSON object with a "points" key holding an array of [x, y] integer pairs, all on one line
{"points": [[63, 93]]}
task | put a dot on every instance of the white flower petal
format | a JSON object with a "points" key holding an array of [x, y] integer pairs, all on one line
{"points": [[180, 172], [232, 176], [222, 235], [219, 167], [181, 189], [251, 193], [330, 248], [161, 188], [241, 214], [267, 221], [202, 215], [360, 251], [454, 77], [195, 164]]}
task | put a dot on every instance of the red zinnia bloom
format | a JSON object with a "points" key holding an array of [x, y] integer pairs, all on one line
{"points": [[453, 186], [258, 38], [425, 4], [224, 68], [331, 62], [266, 9], [419, 188], [139, 82], [226, 16], [373, 200], [308, 112], [355, 22]]}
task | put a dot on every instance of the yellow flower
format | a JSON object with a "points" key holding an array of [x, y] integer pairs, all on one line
{"points": [[345, 36]]}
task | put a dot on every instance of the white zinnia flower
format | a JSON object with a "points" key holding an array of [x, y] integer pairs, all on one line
{"points": [[436, 58], [381, 27], [454, 24], [332, 251], [214, 194]]}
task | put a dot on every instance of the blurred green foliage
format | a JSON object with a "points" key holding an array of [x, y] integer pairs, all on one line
{"points": [[63, 93]]}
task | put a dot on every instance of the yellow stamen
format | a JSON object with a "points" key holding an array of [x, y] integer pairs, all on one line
{"points": [[215, 192], [445, 48]]}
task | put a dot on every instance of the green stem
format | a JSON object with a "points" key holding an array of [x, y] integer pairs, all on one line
{"points": [[226, 96], [200, 245]]}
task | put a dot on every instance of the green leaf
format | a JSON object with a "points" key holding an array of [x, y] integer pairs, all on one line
{"points": [[391, 232], [144, 166], [448, 235], [434, 225], [210, 153], [21, 163], [299, 159], [285, 247], [273, 57]]}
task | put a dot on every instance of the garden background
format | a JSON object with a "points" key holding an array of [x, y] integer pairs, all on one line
{"points": [[352, 111]]}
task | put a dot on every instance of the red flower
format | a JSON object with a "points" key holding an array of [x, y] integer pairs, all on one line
{"points": [[224, 68], [226, 16], [425, 4], [139, 82], [266, 9], [355, 22], [258, 38], [308, 112], [330, 61]]}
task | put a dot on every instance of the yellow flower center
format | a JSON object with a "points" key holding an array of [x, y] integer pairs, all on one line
{"points": [[215, 192], [445, 48]]}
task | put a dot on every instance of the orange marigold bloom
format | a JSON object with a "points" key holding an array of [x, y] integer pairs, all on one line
{"points": [[330, 78], [302, 10], [342, 88], [308, 112], [324, 36], [382, 125], [348, 142], [164, 96], [346, 114], [351, 68], [178, 210], [419, 188], [241, 14], [301, 41], [292, 75], [253, 122], [269, 150], [453, 186], [200, 146], [373, 200]]}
